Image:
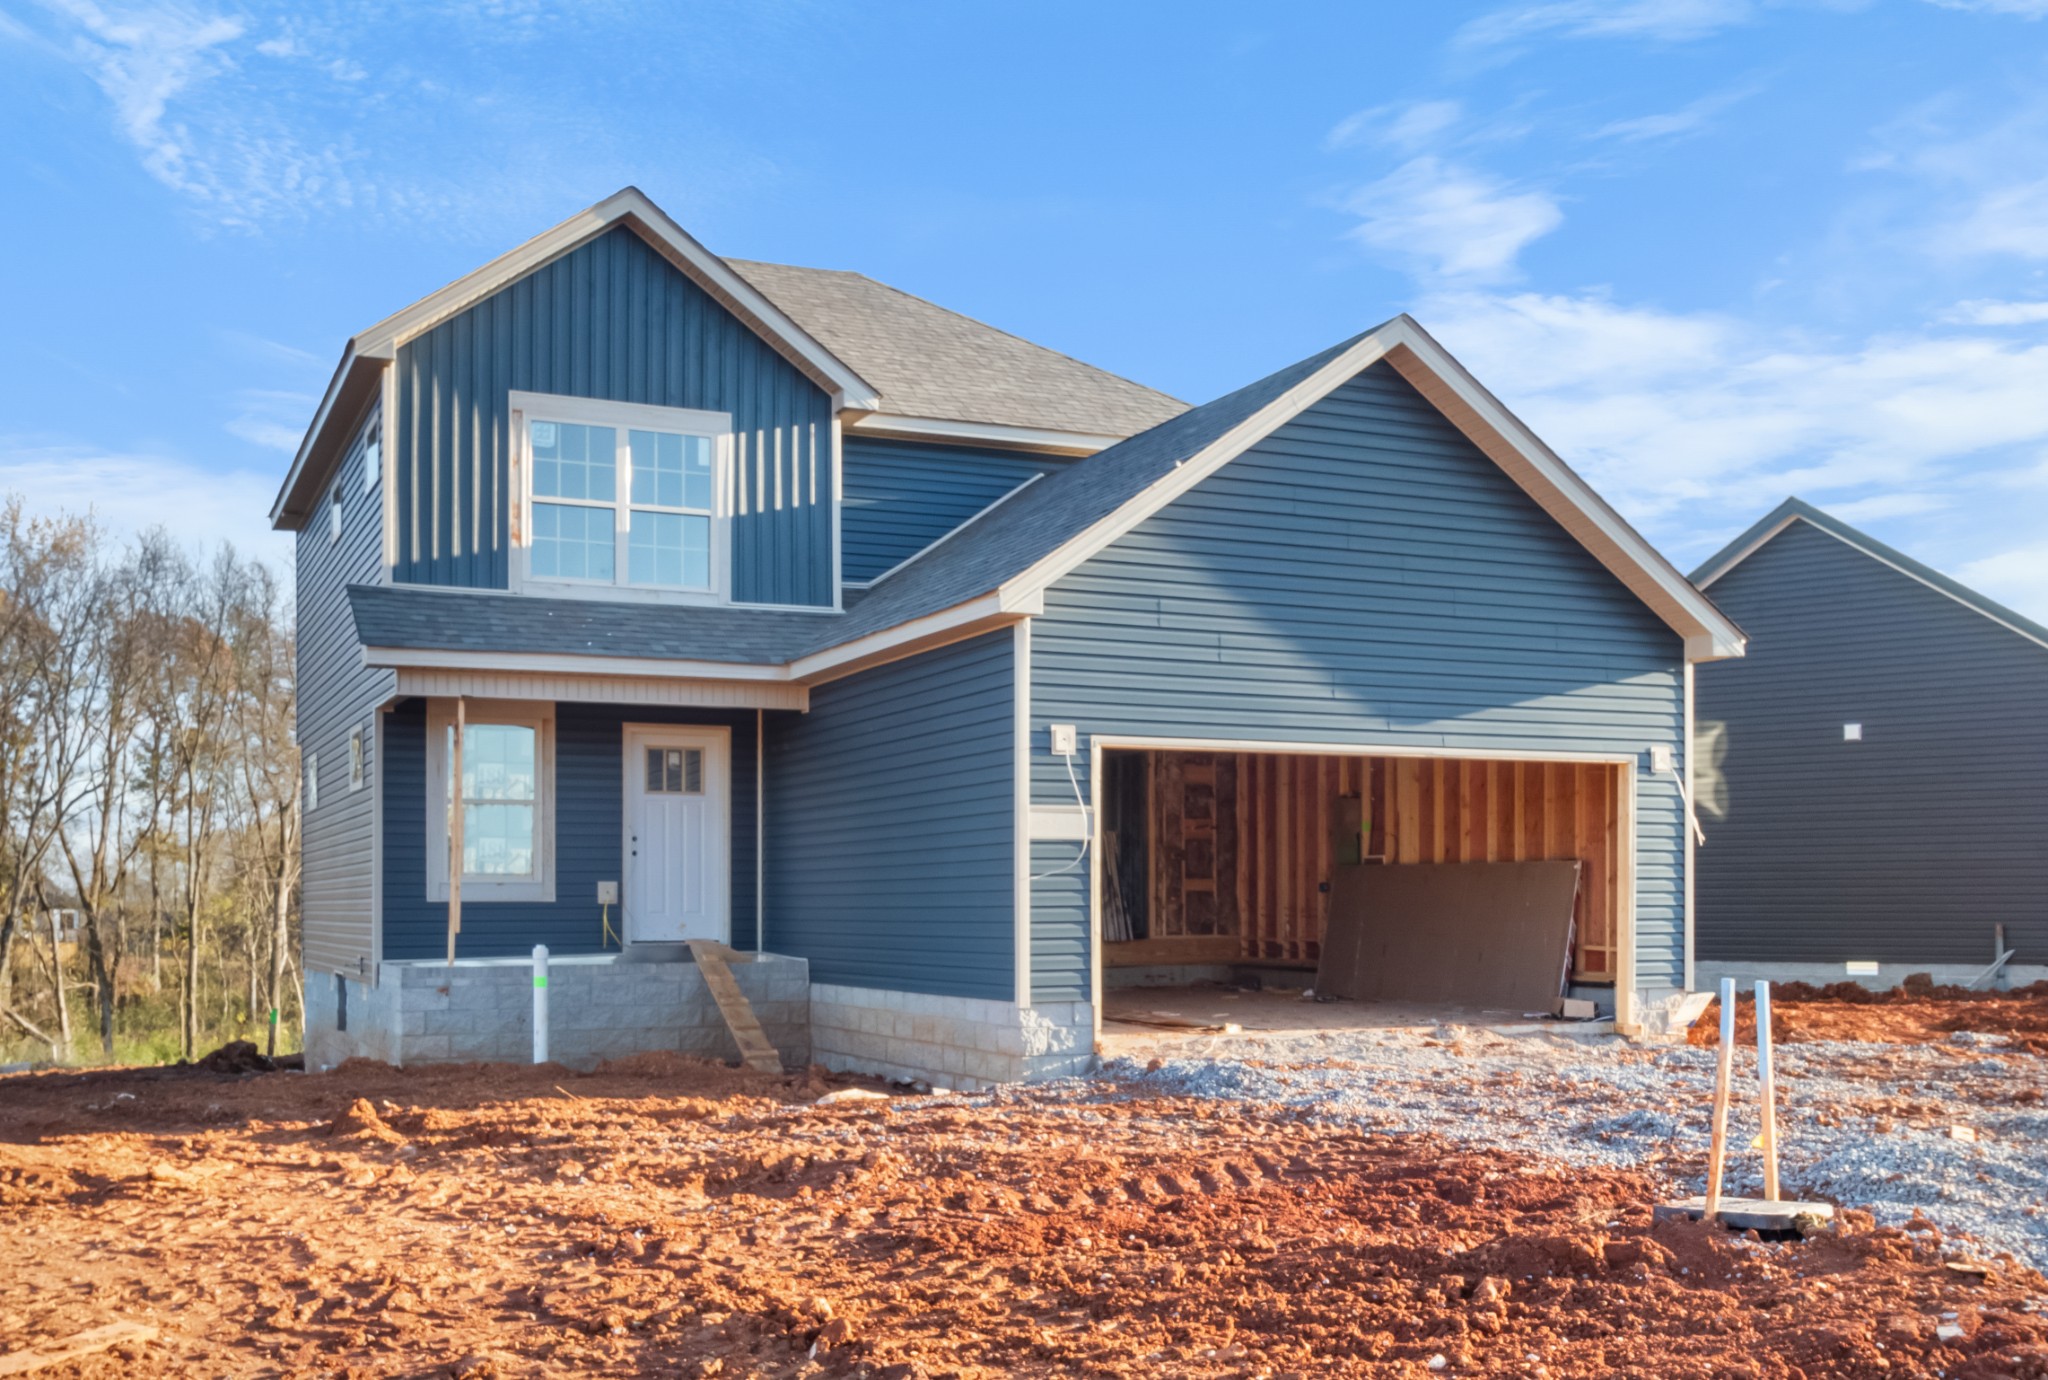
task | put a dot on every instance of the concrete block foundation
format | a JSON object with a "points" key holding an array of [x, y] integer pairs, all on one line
{"points": [[598, 1008], [949, 1042]]}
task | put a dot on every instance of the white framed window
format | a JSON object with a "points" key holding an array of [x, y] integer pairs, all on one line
{"points": [[507, 800], [334, 514], [622, 500], [355, 759], [373, 460], [309, 782]]}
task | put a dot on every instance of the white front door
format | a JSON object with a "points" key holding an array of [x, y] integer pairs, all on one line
{"points": [[677, 863]]}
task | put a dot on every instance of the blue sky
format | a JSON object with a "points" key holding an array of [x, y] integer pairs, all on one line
{"points": [[1715, 251]]}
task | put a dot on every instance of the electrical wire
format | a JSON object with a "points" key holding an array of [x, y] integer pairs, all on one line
{"points": [[1087, 827]]}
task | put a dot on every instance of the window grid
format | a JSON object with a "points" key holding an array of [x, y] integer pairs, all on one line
{"points": [[643, 518]]}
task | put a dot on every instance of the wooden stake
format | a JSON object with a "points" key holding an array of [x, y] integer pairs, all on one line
{"points": [[455, 830], [1717, 1155], [1769, 1091]]}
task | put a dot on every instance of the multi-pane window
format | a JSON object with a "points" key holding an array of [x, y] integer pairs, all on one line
{"points": [[500, 800], [675, 771], [355, 759], [622, 504]]}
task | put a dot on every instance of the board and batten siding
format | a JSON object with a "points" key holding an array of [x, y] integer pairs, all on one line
{"points": [[611, 319], [589, 817], [1906, 847], [1364, 575], [337, 694], [901, 496], [891, 825]]}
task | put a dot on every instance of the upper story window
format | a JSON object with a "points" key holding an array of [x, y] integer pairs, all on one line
{"points": [[622, 497]]}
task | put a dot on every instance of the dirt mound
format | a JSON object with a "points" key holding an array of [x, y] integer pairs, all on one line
{"points": [[361, 1122], [1846, 1011], [538, 1222], [241, 1056]]}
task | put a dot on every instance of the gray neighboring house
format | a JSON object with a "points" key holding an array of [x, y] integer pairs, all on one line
{"points": [[776, 606], [1873, 775]]}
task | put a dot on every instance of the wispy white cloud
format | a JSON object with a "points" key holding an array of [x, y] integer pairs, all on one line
{"points": [[1452, 223], [2025, 9], [158, 66], [1687, 420], [272, 418], [2017, 577], [1411, 126], [1669, 21], [133, 491], [1986, 311], [1674, 124]]}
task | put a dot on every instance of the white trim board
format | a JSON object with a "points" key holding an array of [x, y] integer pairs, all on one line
{"points": [[629, 206], [1708, 633], [951, 532], [668, 691], [883, 424]]}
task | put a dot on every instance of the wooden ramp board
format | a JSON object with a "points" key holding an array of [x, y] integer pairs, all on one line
{"points": [[755, 1049], [1748, 1214], [1478, 934]]}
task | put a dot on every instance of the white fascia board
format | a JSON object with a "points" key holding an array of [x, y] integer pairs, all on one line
{"points": [[313, 432], [1752, 548], [1708, 632], [1032, 583], [557, 663], [982, 433], [630, 204], [984, 614]]}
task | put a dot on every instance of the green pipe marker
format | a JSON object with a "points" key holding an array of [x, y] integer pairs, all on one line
{"points": [[540, 980]]}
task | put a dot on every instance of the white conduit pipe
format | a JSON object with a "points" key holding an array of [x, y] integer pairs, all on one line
{"points": [[540, 1003]]}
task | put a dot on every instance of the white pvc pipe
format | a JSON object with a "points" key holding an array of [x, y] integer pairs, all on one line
{"points": [[540, 1003], [1769, 1089]]}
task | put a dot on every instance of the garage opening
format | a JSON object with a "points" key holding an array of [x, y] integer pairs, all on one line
{"points": [[1220, 870]]}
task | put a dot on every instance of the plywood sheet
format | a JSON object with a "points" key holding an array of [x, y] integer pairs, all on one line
{"points": [[1495, 935]]}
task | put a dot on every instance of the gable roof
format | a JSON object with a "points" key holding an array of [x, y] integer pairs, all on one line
{"points": [[357, 377], [1794, 510], [995, 570], [1019, 548], [931, 363]]}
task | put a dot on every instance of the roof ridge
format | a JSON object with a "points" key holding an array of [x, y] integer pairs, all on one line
{"points": [[974, 320]]}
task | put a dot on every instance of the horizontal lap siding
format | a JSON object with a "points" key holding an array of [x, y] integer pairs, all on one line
{"points": [[589, 791], [1364, 575], [337, 694], [1908, 846], [892, 825], [901, 496], [611, 320]]}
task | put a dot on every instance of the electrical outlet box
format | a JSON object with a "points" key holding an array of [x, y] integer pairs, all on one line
{"points": [[1852, 733], [1063, 737], [607, 893], [1660, 757]]}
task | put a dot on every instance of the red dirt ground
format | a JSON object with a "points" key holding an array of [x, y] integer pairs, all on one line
{"points": [[1928, 1015], [669, 1217]]}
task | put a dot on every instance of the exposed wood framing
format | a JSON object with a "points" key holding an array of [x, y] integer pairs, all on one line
{"points": [[1242, 843]]}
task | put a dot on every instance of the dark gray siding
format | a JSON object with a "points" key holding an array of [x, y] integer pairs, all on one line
{"points": [[1365, 575], [1908, 846], [892, 826], [588, 831], [611, 320], [336, 694], [901, 496]]}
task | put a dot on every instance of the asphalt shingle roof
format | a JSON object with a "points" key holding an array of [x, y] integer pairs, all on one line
{"points": [[927, 361]]}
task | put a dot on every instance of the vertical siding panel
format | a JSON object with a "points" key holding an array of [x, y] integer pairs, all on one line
{"points": [[608, 320]]}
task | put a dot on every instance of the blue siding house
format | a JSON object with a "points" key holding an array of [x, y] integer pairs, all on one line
{"points": [[647, 595], [1874, 776]]}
